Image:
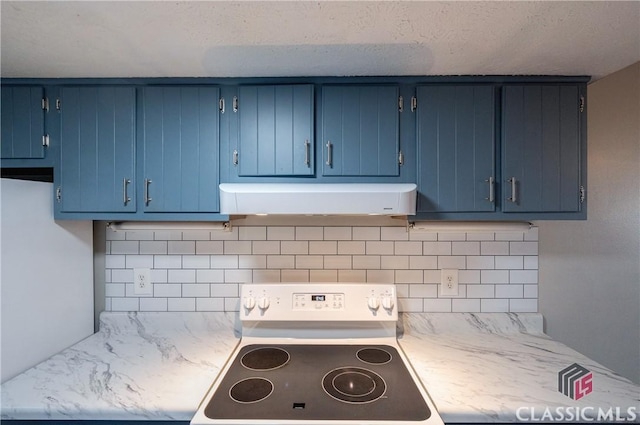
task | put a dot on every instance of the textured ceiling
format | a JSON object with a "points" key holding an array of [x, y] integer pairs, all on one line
{"points": [[299, 38]]}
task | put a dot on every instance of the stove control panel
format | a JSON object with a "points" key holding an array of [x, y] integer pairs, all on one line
{"points": [[318, 302]]}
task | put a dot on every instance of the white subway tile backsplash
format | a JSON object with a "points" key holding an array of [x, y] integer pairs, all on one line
{"points": [[266, 276], [153, 247], [394, 262], [252, 233], [195, 290], [209, 276], [281, 233], [294, 247], [266, 247], [209, 304], [337, 233], [481, 291], [436, 248], [125, 247], [167, 261], [494, 306], [437, 305], [209, 247], [351, 248], [201, 271], [408, 248], [237, 247], [366, 233], [465, 248], [153, 304], [181, 304], [167, 290], [181, 247], [323, 248], [466, 305], [379, 248], [196, 261], [181, 276]]}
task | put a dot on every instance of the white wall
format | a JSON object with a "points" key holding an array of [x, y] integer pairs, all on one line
{"points": [[46, 278], [590, 271]]}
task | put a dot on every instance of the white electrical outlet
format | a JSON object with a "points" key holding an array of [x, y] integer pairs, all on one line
{"points": [[142, 282], [449, 282]]}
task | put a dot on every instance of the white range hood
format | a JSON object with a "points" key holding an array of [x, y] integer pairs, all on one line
{"points": [[318, 198]]}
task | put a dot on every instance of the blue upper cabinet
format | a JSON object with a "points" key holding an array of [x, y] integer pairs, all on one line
{"points": [[456, 148], [360, 130], [275, 130], [179, 142], [23, 135], [542, 148], [97, 149]]}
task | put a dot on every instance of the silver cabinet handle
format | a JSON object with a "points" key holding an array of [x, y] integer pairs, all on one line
{"points": [[306, 153], [125, 196], [329, 153], [492, 193], [514, 195], [147, 198], [235, 157]]}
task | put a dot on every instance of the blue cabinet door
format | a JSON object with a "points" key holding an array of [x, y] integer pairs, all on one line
{"points": [[456, 148], [541, 148], [22, 122], [275, 130], [97, 149], [360, 130], [179, 134]]}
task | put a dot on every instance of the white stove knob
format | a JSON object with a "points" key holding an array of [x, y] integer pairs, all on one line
{"points": [[387, 303], [374, 303], [263, 304], [249, 303]]}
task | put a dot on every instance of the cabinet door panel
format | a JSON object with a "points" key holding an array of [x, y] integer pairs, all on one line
{"points": [[22, 123], [180, 149], [541, 148], [275, 130], [456, 148], [361, 124], [97, 147]]}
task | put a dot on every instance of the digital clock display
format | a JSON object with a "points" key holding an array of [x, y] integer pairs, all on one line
{"points": [[318, 297]]}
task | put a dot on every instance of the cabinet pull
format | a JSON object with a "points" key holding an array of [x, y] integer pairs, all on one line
{"points": [[235, 157], [492, 194], [306, 153], [329, 154], [147, 198], [125, 183], [514, 195]]}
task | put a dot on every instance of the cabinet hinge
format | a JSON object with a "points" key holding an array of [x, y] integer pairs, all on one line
{"points": [[45, 104], [45, 140], [400, 158], [58, 104], [414, 103], [59, 194], [400, 104], [235, 104], [581, 104], [221, 105], [582, 194]]}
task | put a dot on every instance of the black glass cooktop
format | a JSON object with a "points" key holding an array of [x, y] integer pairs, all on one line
{"points": [[318, 382]]}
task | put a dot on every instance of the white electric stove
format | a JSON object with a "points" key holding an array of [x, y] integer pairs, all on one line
{"points": [[317, 353]]}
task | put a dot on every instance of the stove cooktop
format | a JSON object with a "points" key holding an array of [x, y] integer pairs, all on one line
{"points": [[317, 382]]}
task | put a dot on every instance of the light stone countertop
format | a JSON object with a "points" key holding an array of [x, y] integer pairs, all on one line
{"points": [[157, 366]]}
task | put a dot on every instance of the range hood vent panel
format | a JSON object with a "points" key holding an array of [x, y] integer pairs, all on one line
{"points": [[318, 198]]}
